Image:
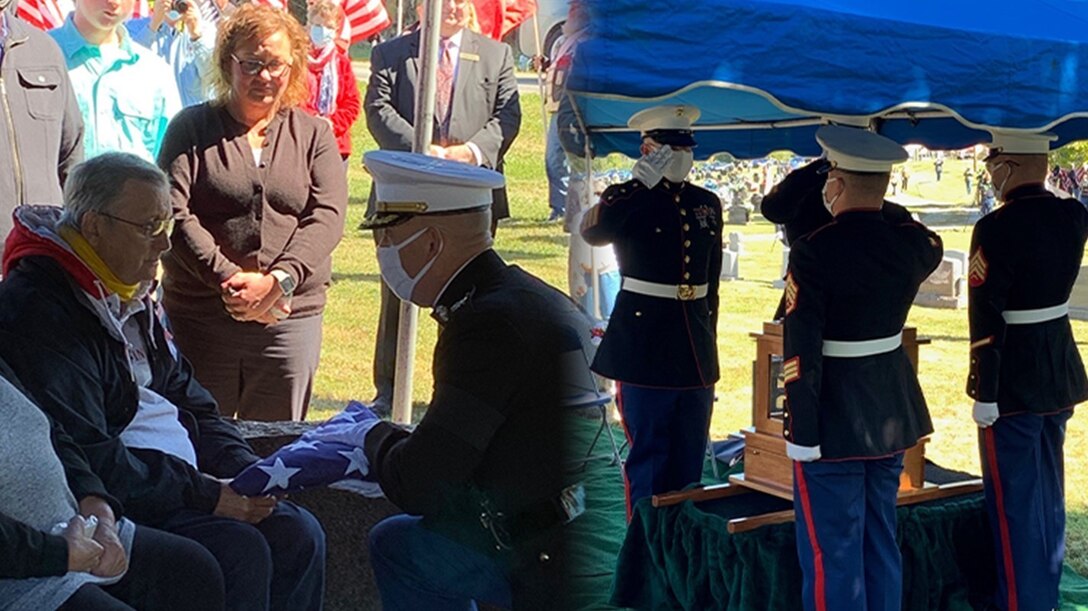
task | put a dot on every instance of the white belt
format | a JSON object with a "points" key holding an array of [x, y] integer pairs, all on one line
{"points": [[1030, 317], [683, 292], [869, 347]]}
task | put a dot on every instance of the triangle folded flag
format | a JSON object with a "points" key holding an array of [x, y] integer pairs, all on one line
{"points": [[331, 453]]}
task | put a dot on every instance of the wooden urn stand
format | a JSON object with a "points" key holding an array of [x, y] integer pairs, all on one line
{"points": [[767, 469]]}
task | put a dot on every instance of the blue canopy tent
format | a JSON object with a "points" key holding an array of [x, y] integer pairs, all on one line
{"points": [[930, 72]]}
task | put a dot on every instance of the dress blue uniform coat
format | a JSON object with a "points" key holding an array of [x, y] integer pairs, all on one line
{"points": [[670, 234]]}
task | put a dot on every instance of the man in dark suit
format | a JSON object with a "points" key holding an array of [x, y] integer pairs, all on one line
{"points": [[477, 117], [479, 479], [853, 400], [1026, 373], [661, 343]]}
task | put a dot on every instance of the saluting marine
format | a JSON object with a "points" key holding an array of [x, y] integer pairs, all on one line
{"points": [[853, 402], [797, 203], [661, 341], [1026, 373]]}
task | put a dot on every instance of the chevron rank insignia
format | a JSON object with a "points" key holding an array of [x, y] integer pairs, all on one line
{"points": [[976, 274], [791, 294], [791, 370]]}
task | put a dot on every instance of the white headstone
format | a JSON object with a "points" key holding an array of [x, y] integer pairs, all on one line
{"points": [[780, 282], [730, 265], [946, 287]]}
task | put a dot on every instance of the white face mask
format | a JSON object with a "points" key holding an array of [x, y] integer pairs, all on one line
{"points": [[830, 205], [393, 272], [999, 189], [320, 35], [679, 166]]}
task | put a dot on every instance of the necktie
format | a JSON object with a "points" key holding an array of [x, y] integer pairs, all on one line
{"points": [[444, 89]]}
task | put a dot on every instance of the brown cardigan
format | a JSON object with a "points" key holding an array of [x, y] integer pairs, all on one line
{"points": [[232, 215]]}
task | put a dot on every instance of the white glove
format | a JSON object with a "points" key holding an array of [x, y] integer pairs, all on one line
{"points": [[802, 453], [650, 168], [985, 414]]}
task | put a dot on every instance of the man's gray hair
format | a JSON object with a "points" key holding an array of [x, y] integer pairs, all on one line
{"points": [[95, 184]]}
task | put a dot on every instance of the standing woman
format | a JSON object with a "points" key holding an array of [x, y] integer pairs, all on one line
{"points": [[259, 195], [334, 95]]}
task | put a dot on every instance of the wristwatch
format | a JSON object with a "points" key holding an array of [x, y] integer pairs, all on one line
{"points": [[286, 282]]}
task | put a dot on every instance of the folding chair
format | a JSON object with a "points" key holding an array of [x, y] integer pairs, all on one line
{"points": [[582, 392]]}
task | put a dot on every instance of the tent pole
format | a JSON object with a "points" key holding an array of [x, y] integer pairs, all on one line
{"points": [[421, 142], [596, 282], [540, 76], [400, 17]]}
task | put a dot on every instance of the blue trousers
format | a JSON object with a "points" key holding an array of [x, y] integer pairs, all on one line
{"points": [[417, 568], [555, 165], [1024, 477], [667, 431], [278, 563], [846, 534]]}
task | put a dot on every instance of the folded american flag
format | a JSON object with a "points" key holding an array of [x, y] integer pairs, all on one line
{"points": [[331, 453]]}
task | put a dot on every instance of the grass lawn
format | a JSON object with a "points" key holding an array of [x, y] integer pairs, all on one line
{"points": [[526, 240]]}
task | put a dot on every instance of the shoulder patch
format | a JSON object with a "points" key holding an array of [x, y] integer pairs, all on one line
{"points": [[791, 370], [977, 270], [792, 292]]}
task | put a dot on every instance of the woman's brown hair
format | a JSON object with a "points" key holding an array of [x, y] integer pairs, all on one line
{"points": [[255, 23]]}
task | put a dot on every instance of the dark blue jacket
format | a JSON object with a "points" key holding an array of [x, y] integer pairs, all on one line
{"points": [[671, 235]]}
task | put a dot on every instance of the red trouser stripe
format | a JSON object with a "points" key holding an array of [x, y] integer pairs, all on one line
{"points": [[1002, 520], [623, 423], [817, 553]]}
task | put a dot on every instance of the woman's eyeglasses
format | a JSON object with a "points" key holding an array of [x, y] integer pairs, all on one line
{"points": [[253, 67]]}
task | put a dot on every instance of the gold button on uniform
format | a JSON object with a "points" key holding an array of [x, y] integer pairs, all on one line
{"points": [[687, 243], [687, 259], [687, 275], [677, 199], [686, 227], [638, 313], [683, 212]]}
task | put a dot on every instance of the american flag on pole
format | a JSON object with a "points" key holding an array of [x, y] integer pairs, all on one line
{"points": [[331, 453], [498, 17], [49, 14], [366, 18], [44, 14]]}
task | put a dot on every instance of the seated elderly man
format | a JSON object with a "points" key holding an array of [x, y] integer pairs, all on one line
{"points": [[480, 477], [79, 329]]}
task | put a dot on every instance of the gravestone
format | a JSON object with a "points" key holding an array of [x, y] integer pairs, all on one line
{"points": [[731, 252], [737, 215], [780, 281], [959, 255], [1078, 300], [735, 242], [730, 265], [946, 287]]}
